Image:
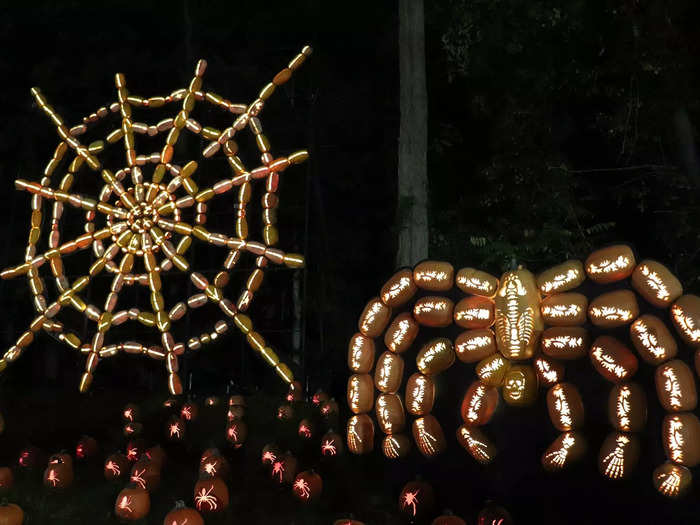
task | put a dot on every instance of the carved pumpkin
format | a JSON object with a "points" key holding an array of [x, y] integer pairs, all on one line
{"points": [[285, 412], [360, 354], [416, 500], [399, 289], [388, 373], [549, 371], [360, 434], [236, 433], [6, 479], [434, 311], [653, 341], [306, 429], [520, 386], [612, 359], [189, 411], [390, 414], [492, 370], [213, 464], [59, 473], [374, 318], [435, 356], [331, 444], [30, 457], [627, 407], [270, 453], [329, 408], [295, 393], [157, 455], [476, 443], [145, 474], [284, 470], [131, 413], [395, 446], [434, 276], [685, 314], [561, 278], [210, 495], [565, 449], [116, 466], [610, 264], [474, 312], [613, 309], [474, 345], [212, 401], [619, 455], [182, 515], [675, 386], [170, 403], [565, 407], [476, 282], [360, 393], [307, 486], [656, 284], [320, 396], [86, 448], [11, 514], [401, 333], [567, 309], [132, 429], [175, 429], [479, 404], [133, 503], [681, 438], [428, 435], [672, 480], [565, 342], [493, 514], [135, 449], [518, 317], [420, 394]]}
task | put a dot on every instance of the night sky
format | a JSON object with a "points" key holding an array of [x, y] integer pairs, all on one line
{"points": [[339, 209]]}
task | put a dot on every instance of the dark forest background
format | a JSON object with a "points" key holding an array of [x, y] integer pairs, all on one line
{"points": [[554, 127]]}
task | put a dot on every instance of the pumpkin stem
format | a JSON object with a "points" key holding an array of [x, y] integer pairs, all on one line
{"points": [[179, 504]]}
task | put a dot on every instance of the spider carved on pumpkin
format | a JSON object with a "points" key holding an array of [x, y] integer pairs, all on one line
{"points": [[520, 330]]}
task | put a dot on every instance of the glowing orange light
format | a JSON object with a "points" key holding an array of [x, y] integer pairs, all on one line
{"points": [[685, 323], [132, 453], [80, 451], [614, 462], [53, 478], [269, 457], [187, 412], [112, 466], [396, 289], [136, 478], [233, 433], [302, 488], [560, 280], [328, 448], [129, 414], [410, 499], [175, 430], [304, 431], [205, 496], [210, 468], [608, 362], [278, 470], [609, 266], [125, 504]]}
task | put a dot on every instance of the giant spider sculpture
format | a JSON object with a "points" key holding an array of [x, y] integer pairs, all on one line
{"points": [[520, 330]]}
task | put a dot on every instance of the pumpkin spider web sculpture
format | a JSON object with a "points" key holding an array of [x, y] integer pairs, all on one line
{"points": [[137, 228]]}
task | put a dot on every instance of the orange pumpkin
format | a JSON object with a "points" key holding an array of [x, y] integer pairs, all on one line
{"points": [[270, 453], [435, 356], [116, 466], [374, 318], [565, 342], [86, 448], [235, 412], [435, 276], [135, 449], [360, 434], [652, 339], [320, 396], [6, 479], [399, 289], [610, 264], [360, 393], [390, 414], [360, 353], [131, 413], [396, 446], [434, 311], [132, 429], [210, 495], [145, 474], [474, 345], [284, 470], [672, 480], [565, 449], [656, 284], [157, 455], [675, 386], [416, 500], [566, 309], [685, 314], [476, 282], [30, 457], [479, 403], [133, 503], [307, 486], [285, 412], [428, 435], [329, 408], [561, 278], [476, 443], [11, 514], [613, 309], [420, 394], [401, 333], [189, 411], [182, 515], [619, 455], [474, 312], [331, 444], [306, 429], [236, 433], [212, 401], [236, 401], [612, 359], [518, 317], [59, 472], [627, 407], [520, 386], [214, 464], [565, 407], [388, 373], [681, 438], [549, 371], [175, 429]]}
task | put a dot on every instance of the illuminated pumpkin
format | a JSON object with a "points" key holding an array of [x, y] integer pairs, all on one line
{"points": [[474, 312], [613, 309], [270, 454], [319, 397], [652, 340], [567, 309], [619, 455], [479, 404], [6, 479], [360, 354], [170, 403], [374, 318], [182, 515], [116, 466], [145, 474], [295, 393], [360, 393], [59, 473], [567, 448], [285, 412], [612, 359], [30, 457], [236, 433], [656, 284], [518, 318], [565, 407], [474, 345], [86, 448], [306, 429], [307, 486], [210, 495], [520, 386], [284, 470], [236, 400], [672, 480], [329, 408], [395, 446], [189, 411], [390, 413], [401, 333], [681, 438], [133, 429], [388, 373], [11, 514], [685, 314], [675, 386], [416, 500], [492, 370], [175, 429], [476, 282], [627, 407], [610, 264], [476, 443], [434, 276], [428, 435], [494, 515], [435, 356], [561, 278], [157, 455], [235, 412], [399, 289], [433, 311], [565, 342], [213, 464], [360, 434], [549, 372], [212, 401], [331, 444], [131, 413], [420, 394]]}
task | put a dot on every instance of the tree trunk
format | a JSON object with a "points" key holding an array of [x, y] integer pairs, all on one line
{"points": [[413, 136]]}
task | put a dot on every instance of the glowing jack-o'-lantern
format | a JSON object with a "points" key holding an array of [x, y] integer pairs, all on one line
{"points": [[307, 486], [681, 438], [86, 448], [476, 282], [175, 429], [549, 372], [619, 455], [30, 458], [145, 474], [567, 309], [610, 264], [156, 455], [401, 333], [685, 314], [434, 276], [399, 289], [319, 397], [474, 312], [270, 454], [416, 500], [518, 318], [395, 446], [189, 411], [131, 413], [561, 278], [627, 407], [306, 429], [613, 309], [565, 407], [675, 386], [390, 414], [493, 514], [235, 412], [474, 345], [360, 434], [133, 503], [374, 318], [236, 433], [479, 404], [428, 435], [213, 464], [210, 495], [329, 408], [652, 340], [11, 514], [565, 342], [360, 393], [6, 479], [182, 515], [612, 359], [520, 385], [672, 480], [132, 429], [331, 444], [59, 472], [476, 443], [656, 284], [435, 356], [285, 412], [567, 448], [434, 311], [420, 394], [492, 370], [360, 354], [116, 466], [388, 373], [284, 470], [295, 393]]}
